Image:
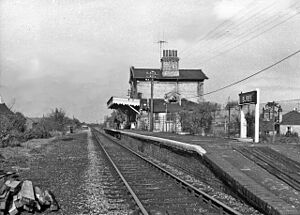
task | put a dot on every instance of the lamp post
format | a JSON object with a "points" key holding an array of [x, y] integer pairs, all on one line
{"points": [[151, 76]]}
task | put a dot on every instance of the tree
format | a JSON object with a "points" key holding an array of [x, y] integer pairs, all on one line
{"points": [[12, 127], [273, 110], [229, 106], [198, 119], [115, 119], [18, 121], [57, 119]]}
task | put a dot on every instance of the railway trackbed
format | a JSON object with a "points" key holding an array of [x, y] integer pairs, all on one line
{"points": [[155, 190], [279, 165]]}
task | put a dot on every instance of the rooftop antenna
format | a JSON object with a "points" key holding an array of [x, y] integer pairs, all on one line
{"points": [[161, 42]]}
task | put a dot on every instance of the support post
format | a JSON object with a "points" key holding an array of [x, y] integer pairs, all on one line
{"points": [[256, 137], [151, 113], [243, 132], [150, 76]]}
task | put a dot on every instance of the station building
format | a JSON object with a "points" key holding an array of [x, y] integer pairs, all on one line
{"points": [[172, 89]]}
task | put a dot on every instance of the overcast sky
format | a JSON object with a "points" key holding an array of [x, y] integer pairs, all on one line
{"points": [[76, 54]]}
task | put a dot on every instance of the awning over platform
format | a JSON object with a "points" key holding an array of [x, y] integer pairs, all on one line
{"points": [[116, 103]]}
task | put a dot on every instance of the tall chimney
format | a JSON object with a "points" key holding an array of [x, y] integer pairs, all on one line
{"points": [[1, 100], [169, 63]]}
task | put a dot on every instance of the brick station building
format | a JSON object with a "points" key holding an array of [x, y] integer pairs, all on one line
{"points": [[172, 87]]}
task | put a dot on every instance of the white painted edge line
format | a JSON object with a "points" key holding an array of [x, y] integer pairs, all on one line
{"points": [[182, 145]]}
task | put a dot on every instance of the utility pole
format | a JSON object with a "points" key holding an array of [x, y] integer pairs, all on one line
{"points": [[151, 76]]}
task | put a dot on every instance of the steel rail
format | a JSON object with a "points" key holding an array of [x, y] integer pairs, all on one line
{"points": [[269, 164], [134, 196], [214, 203]]}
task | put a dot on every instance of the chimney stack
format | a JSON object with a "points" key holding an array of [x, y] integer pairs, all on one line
{"points": [[169, 63]]}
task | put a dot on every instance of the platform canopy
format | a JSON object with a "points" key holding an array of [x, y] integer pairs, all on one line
{"points": [[121, 103]]}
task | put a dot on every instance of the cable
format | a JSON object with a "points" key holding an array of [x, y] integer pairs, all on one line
{"points": [[216, 28], [262, 25], [247, 40], [246, 34], [241, 21], [250, 76], [264, 10]]}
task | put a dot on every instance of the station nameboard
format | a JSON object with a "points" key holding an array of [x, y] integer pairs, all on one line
{"points": [[248, 98]]}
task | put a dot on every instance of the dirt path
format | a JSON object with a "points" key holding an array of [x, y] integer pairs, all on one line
{"points": [[60, 167], [74, 169]]}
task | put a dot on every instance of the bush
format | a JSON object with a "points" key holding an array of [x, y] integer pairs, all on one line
{"points": [[12, 127], [198, 119], [37, 132]]}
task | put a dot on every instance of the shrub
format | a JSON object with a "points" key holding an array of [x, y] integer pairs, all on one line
{"points": [[12, 127], [198, 119]]}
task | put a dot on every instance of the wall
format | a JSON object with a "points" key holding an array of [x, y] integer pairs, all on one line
{"points": [[294, 128], [187, 161], [163, 125], [186, 89]]}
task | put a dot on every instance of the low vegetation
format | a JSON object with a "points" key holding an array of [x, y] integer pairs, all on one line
{"points": [[198, 119], [14, 128]]}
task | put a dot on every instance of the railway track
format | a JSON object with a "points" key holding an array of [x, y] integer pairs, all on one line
{"points": [[279, 165], [153, 189]]}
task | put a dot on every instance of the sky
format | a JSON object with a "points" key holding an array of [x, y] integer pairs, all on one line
{"points": [[76, 54]]}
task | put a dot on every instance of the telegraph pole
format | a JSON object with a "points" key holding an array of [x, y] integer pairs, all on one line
{"points": [[151, 76]]}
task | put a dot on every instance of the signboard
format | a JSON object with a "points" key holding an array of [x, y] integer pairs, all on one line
{"points": [[248, 98]]}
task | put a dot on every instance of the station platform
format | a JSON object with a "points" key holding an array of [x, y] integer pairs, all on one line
{"points": [[260, 187]]}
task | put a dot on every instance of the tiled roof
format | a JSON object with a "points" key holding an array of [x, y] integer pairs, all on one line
{"points": [[184, 74], [4, 109], [291, 118]]}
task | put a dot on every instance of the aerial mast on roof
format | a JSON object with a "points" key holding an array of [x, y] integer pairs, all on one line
{"points": [[161, 43]]}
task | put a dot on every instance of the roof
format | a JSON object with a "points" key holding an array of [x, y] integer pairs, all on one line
{"points": [[4, 109], [291, 118], [184, 74], [114, 102]]}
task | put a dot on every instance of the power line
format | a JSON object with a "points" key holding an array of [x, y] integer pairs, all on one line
{"points": [[224, 23], [246, 33], [262, 25], [250, 76], [249, 39], [242, 20]]}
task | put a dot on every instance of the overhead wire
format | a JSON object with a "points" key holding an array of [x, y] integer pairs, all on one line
{"points": [[247, 40], [243, 19], [219, 26], [247, 35], [250, 76], [248, 31]]}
